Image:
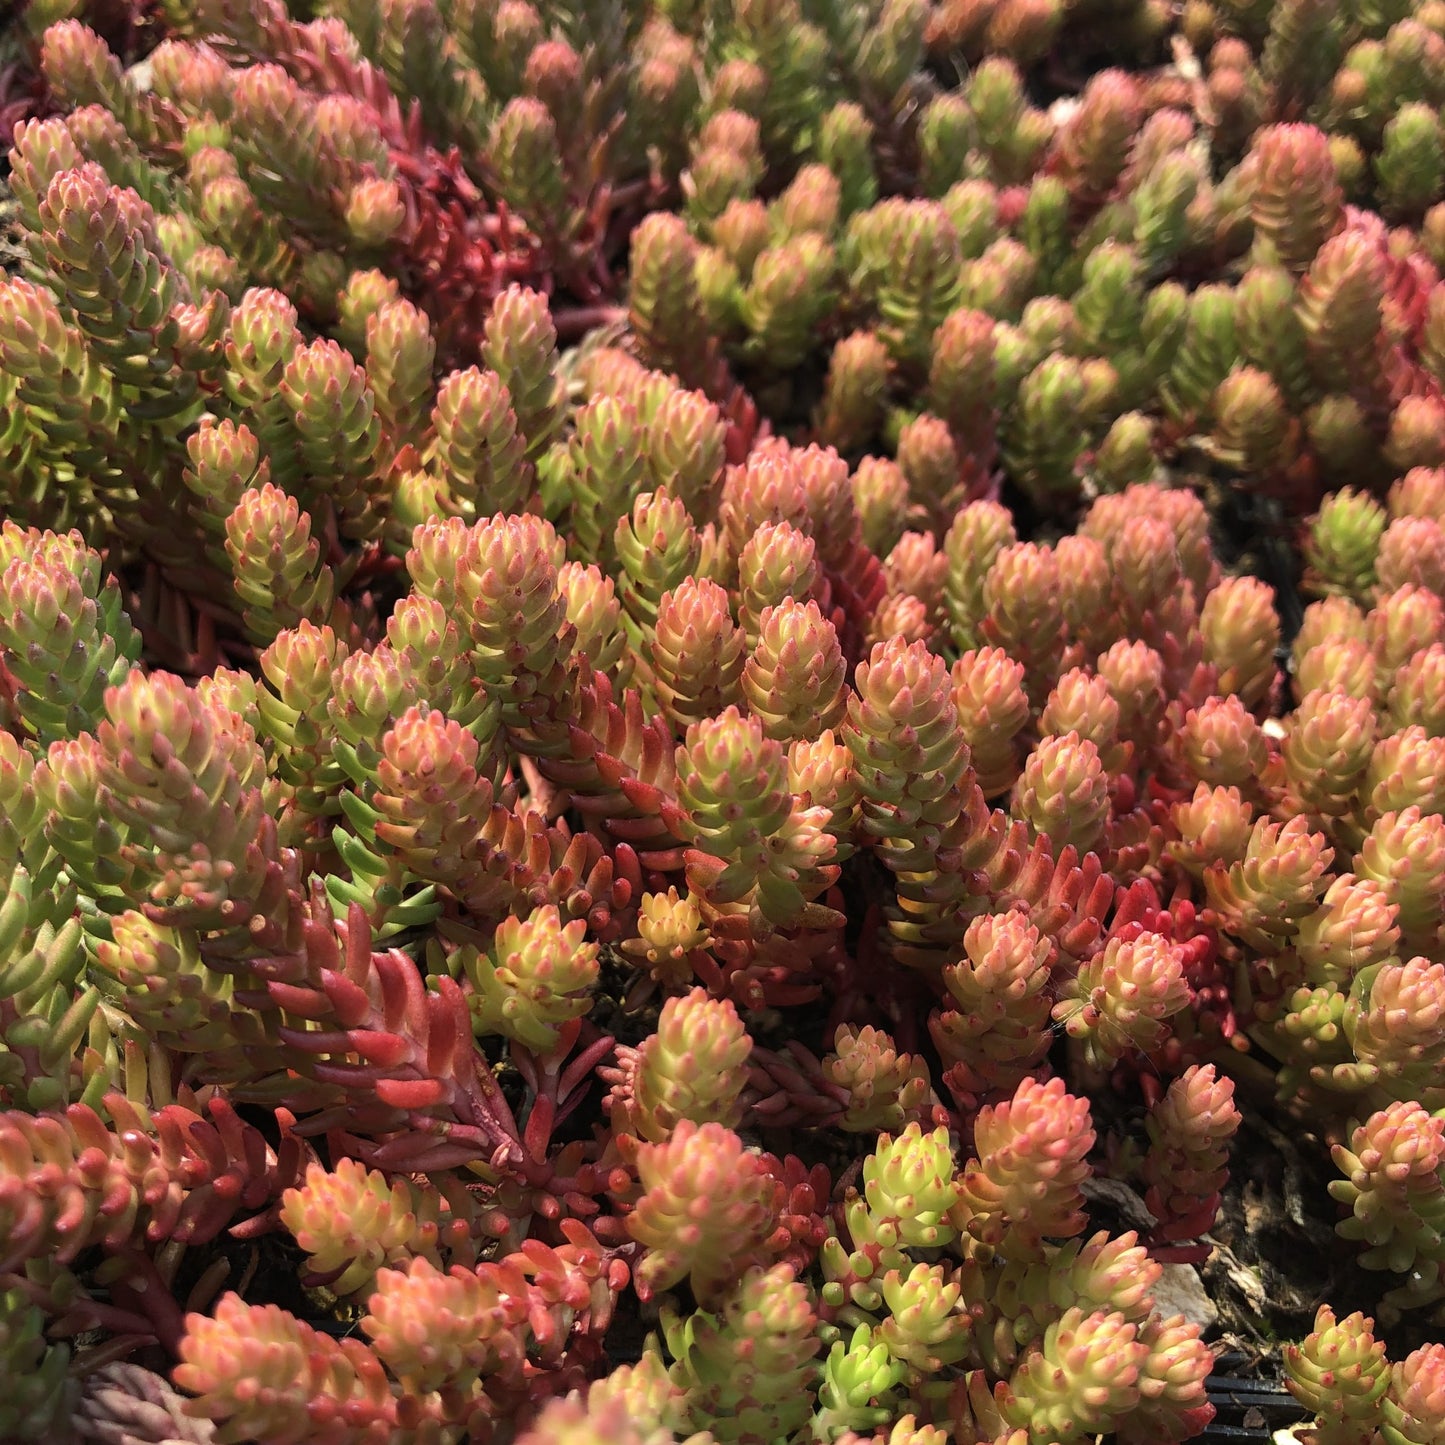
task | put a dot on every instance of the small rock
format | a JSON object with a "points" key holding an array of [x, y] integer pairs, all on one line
{"points": [[1122, 1199], [1180, 1291]]}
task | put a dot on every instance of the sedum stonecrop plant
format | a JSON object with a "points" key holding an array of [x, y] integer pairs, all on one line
{"points": [[620, 717]]}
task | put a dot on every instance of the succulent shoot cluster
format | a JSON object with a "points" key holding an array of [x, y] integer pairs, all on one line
{"points": [[621, 718]]}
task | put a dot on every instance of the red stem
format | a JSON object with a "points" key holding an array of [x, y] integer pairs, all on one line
{"points": [[575, 322]]}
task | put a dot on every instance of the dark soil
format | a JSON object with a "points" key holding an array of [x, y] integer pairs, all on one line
{"points": [[12, 247]]}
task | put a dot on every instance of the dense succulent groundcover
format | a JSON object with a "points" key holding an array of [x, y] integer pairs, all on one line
{"points": [[680, 684]]}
